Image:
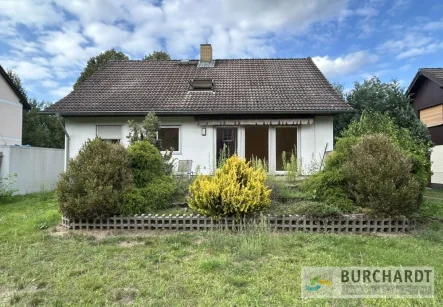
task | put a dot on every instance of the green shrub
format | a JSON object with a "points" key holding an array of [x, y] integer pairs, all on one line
{"points": [[94, 181], [380, 178], [146, 162], [158, 194], [152, 189], [331, 185], [316, 209], [374, 123], [236, 189]]}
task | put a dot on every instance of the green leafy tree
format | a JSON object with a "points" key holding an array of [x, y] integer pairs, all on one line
{"points": [[97, 62], [41, 130], [385, 98], [157, 56], [17, 82], [38, 130]]}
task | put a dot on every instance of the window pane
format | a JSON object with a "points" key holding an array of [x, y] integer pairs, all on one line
{"points": [[286, 141], [256, 142], [169, 138], [109, 132], [226, 137]]}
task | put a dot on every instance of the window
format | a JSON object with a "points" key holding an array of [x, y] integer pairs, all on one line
{"points": [[226, 137], [286, 141], [201, 85], [432, 116], [169, 137], [109, 133]]}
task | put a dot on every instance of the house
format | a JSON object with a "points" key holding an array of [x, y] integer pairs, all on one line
{"points": [[426, 91], [256, 107], [12, 104]]}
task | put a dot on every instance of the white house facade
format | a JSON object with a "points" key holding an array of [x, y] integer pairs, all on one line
{"points": [[258, 108], [196, 140], [11, 111]]}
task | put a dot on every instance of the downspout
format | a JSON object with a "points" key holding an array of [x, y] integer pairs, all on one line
{"points": [[57, 115]]}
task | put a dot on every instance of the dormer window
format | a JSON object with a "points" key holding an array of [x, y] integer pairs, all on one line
{"points": [[201, 85]]}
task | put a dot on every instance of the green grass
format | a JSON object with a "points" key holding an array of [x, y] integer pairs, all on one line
{"points": [[258, 268], [434, 193]]}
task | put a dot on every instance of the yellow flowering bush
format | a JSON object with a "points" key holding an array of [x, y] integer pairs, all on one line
{"points": [[236, 189]]}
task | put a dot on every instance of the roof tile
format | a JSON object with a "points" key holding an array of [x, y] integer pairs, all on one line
{"points": [[240, 86]]}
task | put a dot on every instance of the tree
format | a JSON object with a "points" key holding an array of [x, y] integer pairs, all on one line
{"points": [[384, 98], [41, 130], [157, 56], [38, 130], [97, 62], [17, 82]]}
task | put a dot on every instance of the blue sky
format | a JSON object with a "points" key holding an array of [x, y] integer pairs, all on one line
{"points": [[48, 42]]}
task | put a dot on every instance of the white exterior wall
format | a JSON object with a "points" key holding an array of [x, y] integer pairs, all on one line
{"points": [[312, 139], [10, 115], [437, 165], [37, 168]]}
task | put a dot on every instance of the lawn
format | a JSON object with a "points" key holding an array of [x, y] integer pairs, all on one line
{"points": [[43, 265]]}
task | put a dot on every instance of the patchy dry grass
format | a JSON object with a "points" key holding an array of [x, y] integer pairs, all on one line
{"points": [[55, 267]]}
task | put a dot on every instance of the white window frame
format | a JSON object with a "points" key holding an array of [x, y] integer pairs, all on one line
{"points": [[175, 152], [273, 147], [238, 149]]}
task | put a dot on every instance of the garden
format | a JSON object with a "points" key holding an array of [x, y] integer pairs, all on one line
{"points": [[377, 169]]}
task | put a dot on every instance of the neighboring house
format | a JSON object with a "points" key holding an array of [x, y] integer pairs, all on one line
{"points": [[256, 107], [12, 104], [426, 90]]}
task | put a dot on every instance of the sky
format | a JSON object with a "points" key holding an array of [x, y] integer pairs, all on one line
{"points": [[49, 42]]}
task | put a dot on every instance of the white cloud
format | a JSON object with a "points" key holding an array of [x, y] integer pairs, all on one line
{"points": [[61, 91], [36, 13], [433, 26], [431, 48], [344, 65], [26, 70], [50, 41]]}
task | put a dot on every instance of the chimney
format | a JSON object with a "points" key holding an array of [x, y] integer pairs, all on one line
{"points": [[205, 53]]}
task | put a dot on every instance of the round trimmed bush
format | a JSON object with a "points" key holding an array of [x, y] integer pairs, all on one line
{"points": [[236, 189], [152, 188], [146, 162], [94, 181], [380, 178]]}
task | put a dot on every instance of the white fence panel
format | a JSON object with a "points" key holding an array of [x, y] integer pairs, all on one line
{"points": [[37, 168]]}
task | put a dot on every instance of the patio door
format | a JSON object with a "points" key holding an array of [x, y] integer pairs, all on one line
{"points": [[285, 141]]}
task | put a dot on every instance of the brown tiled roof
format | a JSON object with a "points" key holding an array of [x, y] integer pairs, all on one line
{"points": [[434, 74], [240, 86]]}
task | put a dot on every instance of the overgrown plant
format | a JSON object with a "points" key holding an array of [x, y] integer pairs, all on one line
{"points": [[152, 188], [290, 165], [331, 185], [223, 156], [6, 183], [236, 189], [380, 178], [260, 164], [95, 180]]}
